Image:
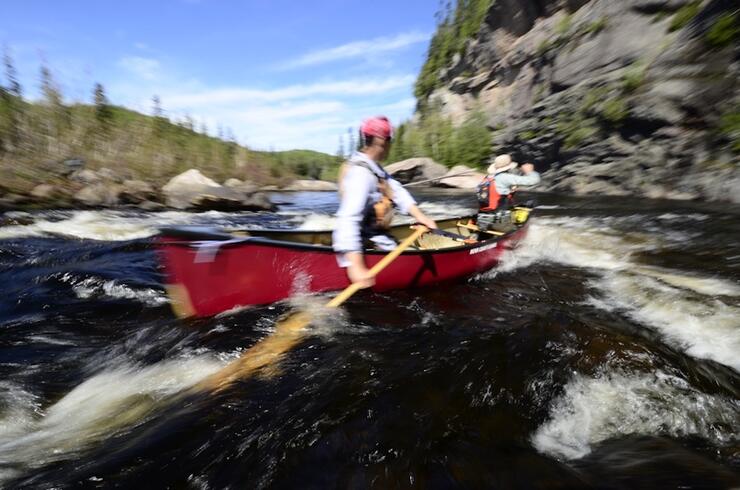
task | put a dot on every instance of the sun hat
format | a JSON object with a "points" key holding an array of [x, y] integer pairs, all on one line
{"points": [[501, 163]]}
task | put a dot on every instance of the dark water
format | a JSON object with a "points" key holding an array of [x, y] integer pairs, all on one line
{"points": [[603, 353]]}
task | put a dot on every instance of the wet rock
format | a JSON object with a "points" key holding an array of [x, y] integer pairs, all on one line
{"points": [[85, 176], [150, 206], [192, 189], [136, 192], [646, 462], [98, 195], [12, 201], [469, 180], [110, 175], [45, 192], [242, 186], [416, 169], [258, 201], [311, 185], [15, 218]]}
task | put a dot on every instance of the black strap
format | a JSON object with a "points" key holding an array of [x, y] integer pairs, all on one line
{"points": [[385, 175]]}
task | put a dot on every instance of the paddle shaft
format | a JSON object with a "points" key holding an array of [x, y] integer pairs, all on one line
{"points": [[410, 184], [288, 332], [353, 288]]}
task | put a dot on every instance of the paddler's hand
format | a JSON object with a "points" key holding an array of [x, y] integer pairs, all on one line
{"points": [[357, 272], [422, 218]]}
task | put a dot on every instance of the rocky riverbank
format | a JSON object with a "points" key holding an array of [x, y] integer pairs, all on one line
{"points": [[637, 97], [105, 188]]}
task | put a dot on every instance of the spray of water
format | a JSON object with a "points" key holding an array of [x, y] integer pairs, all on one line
{"points": [[594, 409], [100, 407]]}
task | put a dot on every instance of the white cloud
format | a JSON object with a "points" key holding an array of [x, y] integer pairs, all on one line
{"points": [[357, 49], [208, 97], [303, 115], [146, 68]]}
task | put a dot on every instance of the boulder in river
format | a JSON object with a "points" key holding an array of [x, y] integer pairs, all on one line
{"points": [[469, 179], [136, 192], [98, 195], [193, 190], [415, 170]]}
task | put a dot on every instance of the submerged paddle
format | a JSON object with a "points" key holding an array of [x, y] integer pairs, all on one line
{"points": [[289, 331]]}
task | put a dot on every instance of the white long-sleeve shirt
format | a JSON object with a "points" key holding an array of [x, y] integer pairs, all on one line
{"points": [[359, 187]]}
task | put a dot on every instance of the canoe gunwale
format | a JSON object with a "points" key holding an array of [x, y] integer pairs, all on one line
{"points": [[271, 242]]}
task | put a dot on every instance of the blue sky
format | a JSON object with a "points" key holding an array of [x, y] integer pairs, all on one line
{"points": [[280, 74]]}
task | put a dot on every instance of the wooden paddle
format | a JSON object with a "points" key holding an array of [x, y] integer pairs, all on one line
{"points": [[289, 331]]}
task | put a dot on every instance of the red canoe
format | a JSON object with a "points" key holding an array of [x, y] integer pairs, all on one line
{"points": [[209, 272]]}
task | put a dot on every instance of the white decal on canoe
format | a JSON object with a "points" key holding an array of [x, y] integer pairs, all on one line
{"points": [[483, 248]]}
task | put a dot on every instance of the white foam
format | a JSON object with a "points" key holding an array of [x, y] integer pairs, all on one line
{"points": [[710, 286], [683, 217], [108, 225], [96, 409], [578, 243], [592, 410], [319, 222], [703, 326], [695, 313], [94, 225], [92, 287]]}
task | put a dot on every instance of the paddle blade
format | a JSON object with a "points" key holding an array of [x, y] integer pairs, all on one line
{"points": [[264, 354], [180, 300]]}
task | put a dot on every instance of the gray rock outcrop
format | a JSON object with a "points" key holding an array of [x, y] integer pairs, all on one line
{"points": [[637, 97]]}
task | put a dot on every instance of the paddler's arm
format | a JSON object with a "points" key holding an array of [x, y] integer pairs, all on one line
{"points": [[530, 178], [407, 205]]}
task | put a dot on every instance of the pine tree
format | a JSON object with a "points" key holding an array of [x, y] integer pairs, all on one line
{"points": [[52, 96], [103, 111], [156, 106], [189, 122], [14, 86], [340, 150], [351, 141], [160, 122], [56, 115]]}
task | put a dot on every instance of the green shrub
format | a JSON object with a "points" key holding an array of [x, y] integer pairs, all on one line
{"points": [[579, 135], [544, 47], [633, 77], [527, 135], [461, 21], [729, 127], [596, 26], [434, 136], [724, 31], [684, 15], [593, 97], [563, 25], [576, 130], [615, 110]]}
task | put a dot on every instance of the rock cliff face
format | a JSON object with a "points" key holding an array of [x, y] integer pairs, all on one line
{"points": [[632, 97]]}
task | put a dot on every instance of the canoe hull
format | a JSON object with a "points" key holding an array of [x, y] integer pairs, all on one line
{"points": [[207, 279]]}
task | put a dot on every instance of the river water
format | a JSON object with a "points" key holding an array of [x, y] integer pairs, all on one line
{"points": [[604, 352]]}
